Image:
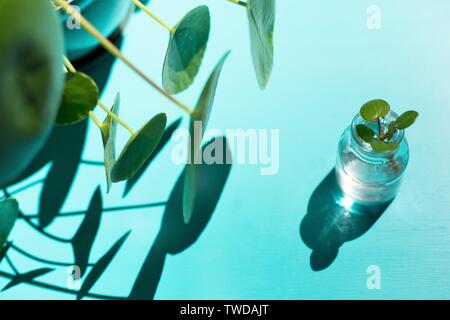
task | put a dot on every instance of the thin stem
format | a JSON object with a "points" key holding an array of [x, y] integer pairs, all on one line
{"points": [[380, 134], [109, 46], [72, 69], [61, 289], [241, 3], [153, 16], [42, 260], [69, 65], [116, 118], [95, 120]]}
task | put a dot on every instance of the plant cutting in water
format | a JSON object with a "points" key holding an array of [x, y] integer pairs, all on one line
{"points": [[46, 89], [374, 111]]}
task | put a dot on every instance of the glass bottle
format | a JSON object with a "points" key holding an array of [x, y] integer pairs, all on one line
{"points": [[367, 176]]}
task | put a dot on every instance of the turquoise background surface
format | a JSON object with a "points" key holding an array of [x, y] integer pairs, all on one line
{"points": [[327, 64]]}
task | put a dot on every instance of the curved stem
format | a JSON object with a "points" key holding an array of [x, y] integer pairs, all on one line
{"points": [[241, 3], [42, 260], [153, 16], [109, 46], [61, 289]]}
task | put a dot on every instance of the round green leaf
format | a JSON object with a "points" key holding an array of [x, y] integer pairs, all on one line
{"points": [[364, 132], [31, 81], [200, 117], [261, 16], [187, 46], [374, 109], [139, 148], [9, 210], [406, 120], [80, 97], [383, 147]]}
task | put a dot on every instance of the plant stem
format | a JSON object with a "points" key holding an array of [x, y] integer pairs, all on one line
{"points": [[241, 3], [380, 134], [95, 120], [111, 48], [116, 118], [69, 65], [72, 69], [153, 16]]}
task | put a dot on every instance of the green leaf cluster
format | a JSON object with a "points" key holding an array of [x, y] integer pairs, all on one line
{"points": [[375, 111]]}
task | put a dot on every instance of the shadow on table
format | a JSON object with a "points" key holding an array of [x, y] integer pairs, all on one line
{"points": [[332, 220], [174, 235]]}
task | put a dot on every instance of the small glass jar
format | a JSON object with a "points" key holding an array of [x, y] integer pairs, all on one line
{"points": [[367, 176]]}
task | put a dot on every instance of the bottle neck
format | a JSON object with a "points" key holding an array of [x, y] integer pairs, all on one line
{"points": [[363, 148]]}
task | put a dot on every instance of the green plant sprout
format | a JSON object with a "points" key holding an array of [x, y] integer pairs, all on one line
{"points": [[376, 111]]}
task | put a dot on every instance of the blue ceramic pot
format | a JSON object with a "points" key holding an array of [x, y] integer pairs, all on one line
{"points": [[106, 15]]}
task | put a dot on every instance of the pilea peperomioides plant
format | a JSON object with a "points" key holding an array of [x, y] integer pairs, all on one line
{"points": [[373, 112]]}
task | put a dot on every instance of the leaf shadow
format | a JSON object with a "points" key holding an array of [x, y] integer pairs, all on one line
{"points": [[162, 143], [328, 223], [174, 235], [66, 143]]}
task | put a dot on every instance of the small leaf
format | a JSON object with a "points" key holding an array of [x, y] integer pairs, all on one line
{"points": [[187, 46], [261, 16], [100, 267], [383, 147], [406, 120], [139, 148], [200, 116], [26, 277], [9, 210], [374, 109], [164, 140], [365, 133], [80, 97], [108, 130], [83, 240]]}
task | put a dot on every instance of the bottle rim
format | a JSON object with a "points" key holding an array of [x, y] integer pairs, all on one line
{"points": [[365, 147]]}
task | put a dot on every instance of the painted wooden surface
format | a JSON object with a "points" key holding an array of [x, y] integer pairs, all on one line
{"points": [[327, 64]]}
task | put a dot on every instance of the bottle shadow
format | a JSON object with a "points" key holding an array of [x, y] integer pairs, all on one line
{"points": [[333, 219]]}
